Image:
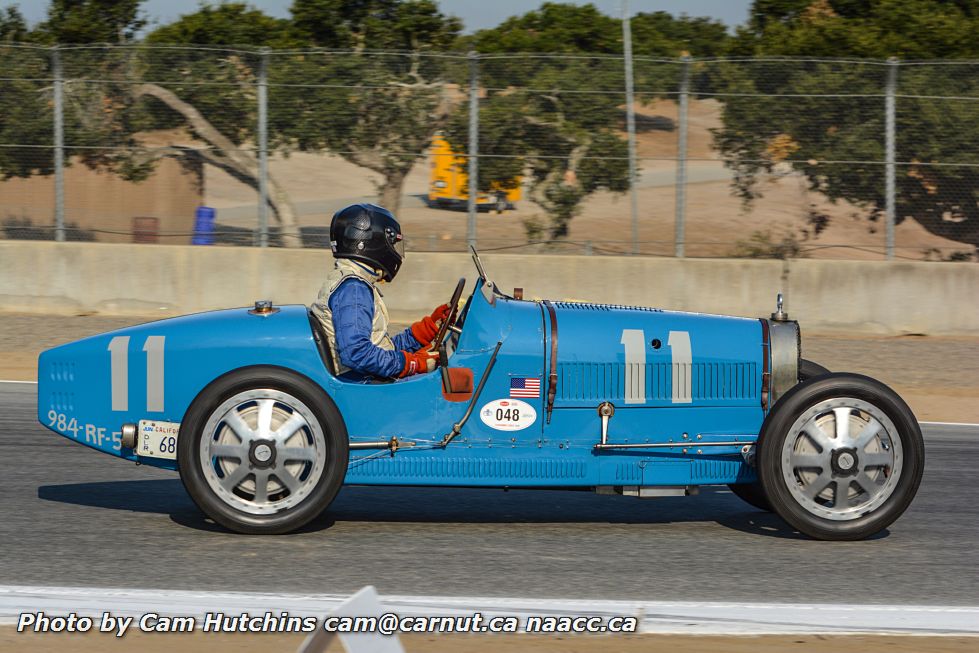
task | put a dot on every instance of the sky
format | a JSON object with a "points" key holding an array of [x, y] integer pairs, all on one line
{"points": [[476, 14]]}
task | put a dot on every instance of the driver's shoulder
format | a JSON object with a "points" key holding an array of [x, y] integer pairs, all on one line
{"points": [[352, 291], [351, 282]]}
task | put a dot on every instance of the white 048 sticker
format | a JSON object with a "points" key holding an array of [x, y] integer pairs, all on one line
{"points": [[508, 415]]}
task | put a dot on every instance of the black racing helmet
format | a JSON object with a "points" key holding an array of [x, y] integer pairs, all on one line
{"points": [[370, 234]]}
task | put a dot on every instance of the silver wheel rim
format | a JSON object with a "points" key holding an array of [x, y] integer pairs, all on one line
{"points": [[262, 451], [842, 459]]}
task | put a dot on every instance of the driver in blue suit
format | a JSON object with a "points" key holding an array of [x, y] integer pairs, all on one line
{"points": [[369, 249]]}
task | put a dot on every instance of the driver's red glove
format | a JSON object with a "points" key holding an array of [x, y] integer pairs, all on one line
{"points": [[427, 328], [418, 362], [441, 313]]}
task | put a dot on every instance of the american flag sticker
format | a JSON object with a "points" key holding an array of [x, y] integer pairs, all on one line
{"points": [[524, 388]]}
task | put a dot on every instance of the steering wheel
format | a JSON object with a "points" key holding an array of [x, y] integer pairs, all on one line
{"points": [[448, 321]]}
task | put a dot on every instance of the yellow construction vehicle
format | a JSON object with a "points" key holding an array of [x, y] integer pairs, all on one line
{"points": [[448, 184]]}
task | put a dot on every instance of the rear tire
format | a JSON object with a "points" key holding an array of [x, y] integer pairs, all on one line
{"points": [[262, 450]]}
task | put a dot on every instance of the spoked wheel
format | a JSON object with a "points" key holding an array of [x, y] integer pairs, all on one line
{"points": [[262, 451], [841, 457], [754, 493]]}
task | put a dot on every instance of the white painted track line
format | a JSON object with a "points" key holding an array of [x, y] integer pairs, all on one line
{"points": [[28, 382], [677, 617], [968, 424]]}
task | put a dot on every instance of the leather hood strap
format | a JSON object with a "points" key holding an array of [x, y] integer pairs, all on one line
{"points": [[552, 376]]}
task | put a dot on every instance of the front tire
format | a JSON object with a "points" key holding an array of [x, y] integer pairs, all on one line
{"points": [[810, 370], [753, 493], [840, 457], [262, 450]]}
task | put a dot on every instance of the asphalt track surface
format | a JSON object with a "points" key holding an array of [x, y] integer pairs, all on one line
{"points": [[70, 516]]}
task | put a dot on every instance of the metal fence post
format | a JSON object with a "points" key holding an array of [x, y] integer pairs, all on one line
{"points": [[262, 237], [681, 158], [890, 146], [473, 168], [630, 122], [59, 147]]}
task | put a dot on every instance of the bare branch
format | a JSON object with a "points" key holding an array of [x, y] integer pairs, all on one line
{"points": [[533, 120], [228, 157], [200, 125], [370, 159]]}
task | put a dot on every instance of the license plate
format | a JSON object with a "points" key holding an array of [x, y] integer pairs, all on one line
{"points": [[157, 439]]}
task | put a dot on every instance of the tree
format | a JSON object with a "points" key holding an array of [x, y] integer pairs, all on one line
{"points": [[90, 21], [762, 132], [26, 104], [25, 117], [554, 118], [378, 110], [558, 118], [222, 111], [661, 34], [211, 93], [13, 28]]}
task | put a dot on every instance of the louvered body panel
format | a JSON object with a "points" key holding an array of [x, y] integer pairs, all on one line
{"points": [[638, 357], [483, 470], [709, 382]]}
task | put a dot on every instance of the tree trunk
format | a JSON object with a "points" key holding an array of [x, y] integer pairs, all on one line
{"points": [[244, 164], [286, 213], [389, 190], [560, 193]]}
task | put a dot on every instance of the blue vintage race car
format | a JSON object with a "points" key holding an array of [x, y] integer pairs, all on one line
{"points": [[634, 401]]}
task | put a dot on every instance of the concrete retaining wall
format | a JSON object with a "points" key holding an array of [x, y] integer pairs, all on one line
{"points": [[849, 296]]}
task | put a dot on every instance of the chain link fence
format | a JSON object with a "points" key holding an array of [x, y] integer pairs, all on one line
{"points": [[519, 152]]}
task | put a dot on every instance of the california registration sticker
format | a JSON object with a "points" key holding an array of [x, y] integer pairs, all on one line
{"points": [[157, 439]]}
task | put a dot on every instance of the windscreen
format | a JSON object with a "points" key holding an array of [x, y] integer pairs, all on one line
{"points": [[478, 263]]}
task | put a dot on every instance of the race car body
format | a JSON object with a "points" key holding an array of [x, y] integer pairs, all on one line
{"points": [[626, 400]]}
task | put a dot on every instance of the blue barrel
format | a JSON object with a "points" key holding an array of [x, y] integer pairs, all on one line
{"points": [[204, 226]]}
